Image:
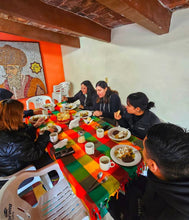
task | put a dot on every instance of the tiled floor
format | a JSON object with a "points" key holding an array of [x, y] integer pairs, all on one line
{"points": [[107, 217]]}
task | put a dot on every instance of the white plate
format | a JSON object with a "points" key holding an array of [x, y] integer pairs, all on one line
{"points": [[70, 106], [48, 105], [46, 128], [83, 114], [32, 118], [111, 136], [119, 161]]}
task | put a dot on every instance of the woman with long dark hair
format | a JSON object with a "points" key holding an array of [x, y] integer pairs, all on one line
{"points": [[108, 101], [86, 96], [137, 116]]}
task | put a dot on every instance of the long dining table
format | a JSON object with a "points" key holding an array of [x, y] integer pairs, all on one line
{"points": [[81, 169]]}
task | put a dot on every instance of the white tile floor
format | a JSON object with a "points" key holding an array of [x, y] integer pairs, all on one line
{"points": [[107, 217]]}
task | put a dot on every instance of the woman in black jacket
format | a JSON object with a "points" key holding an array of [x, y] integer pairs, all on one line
{"points": [[86, 96], [19, 146], [108, 102], [137, 117]]}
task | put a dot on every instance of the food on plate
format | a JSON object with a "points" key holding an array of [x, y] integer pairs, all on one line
{"points": [[119, 134], [84, 114], [69, 106], [34, 119], [125, 153], [117, 113], [49, 126], [62, 116], [48, 105], [115, 132]]}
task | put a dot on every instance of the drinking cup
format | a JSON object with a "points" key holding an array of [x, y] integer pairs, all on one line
{"points": [[100, 133], [89, 148], [81, 137], [105, 163], [53, 137]]}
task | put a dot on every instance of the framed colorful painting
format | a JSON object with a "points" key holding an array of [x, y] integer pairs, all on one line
{"points": [[21, 69]]}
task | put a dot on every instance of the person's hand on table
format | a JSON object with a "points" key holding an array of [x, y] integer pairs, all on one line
{"points": [[97, 113], [81, 107], [117, 115], [64, 98], [37, 111], [39, 122], [52, 129]]}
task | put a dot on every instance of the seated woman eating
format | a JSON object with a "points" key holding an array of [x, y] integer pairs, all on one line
{"points": [[19, 146], [108, 102], [86, 96], [137, 117]]}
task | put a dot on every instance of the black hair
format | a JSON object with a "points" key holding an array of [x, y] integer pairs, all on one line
{"points": [[109, 91], [90, 92], [168, 145], [139, 99], [5, 94], [102, 84]]}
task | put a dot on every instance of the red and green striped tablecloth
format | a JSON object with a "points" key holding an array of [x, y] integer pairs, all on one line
{"points": [[81, 169]]}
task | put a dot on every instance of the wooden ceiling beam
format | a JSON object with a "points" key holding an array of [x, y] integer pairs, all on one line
{"points": [[174, 3], [36, 11], [37, 33], [147, 13]]}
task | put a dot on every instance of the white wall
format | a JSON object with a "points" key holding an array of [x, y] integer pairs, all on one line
{"points": [[139, 60]]}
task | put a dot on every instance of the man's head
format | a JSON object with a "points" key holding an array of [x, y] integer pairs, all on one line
{"points": [[166, 151], [5, 94]]}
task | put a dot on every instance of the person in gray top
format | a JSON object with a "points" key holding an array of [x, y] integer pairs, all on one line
{"points": [[137, 116]]}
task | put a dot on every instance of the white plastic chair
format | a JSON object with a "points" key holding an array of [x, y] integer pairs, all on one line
{"points": [[30, 183], [58, 203], [60, 90], [38, 101]]}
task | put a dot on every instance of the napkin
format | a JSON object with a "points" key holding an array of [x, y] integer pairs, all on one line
{"points": [[74, 123], [61, 143]]}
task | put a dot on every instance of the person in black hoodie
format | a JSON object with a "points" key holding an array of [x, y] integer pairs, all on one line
{"points": [[164, 193], [137, 116], [108, 102], [19, 146], [6, 94], [86, 96]]}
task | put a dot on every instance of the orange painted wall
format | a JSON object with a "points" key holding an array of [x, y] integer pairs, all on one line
{"points": [[51, 57]]}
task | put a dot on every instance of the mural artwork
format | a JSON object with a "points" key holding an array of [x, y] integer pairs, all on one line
{"points": [[21, 69]]}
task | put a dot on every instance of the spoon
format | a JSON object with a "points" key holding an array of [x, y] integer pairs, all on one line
{"points": [[104, 180], [99, 176], [97, 184]]}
